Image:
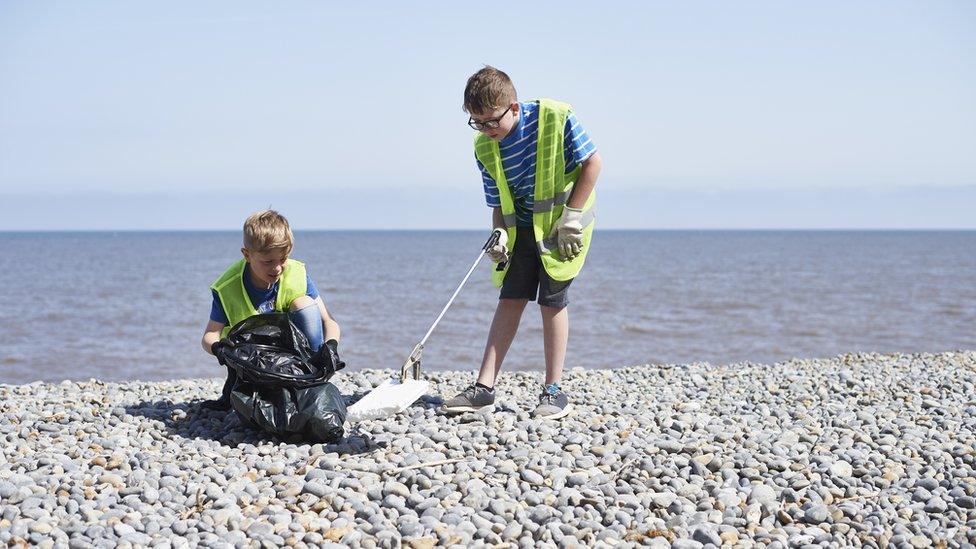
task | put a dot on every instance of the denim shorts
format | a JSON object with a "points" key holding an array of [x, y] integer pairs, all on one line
{"points": [[527, 278]]}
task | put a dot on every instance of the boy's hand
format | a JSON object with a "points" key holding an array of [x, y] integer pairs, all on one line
{"points": [[327, 357], [569, 233], [218, 349], [333, 346], [499, 252]]}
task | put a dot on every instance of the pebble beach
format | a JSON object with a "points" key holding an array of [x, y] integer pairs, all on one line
{"points": [[860, 449]]}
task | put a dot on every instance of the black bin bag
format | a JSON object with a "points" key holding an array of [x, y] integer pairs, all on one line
{"points": [[282, 387]]}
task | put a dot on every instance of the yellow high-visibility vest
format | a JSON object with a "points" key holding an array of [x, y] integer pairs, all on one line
{"points": [[237, 305], [552, 189]]}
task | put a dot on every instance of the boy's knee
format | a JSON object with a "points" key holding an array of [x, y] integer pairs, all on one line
{"points": [[301, 302]]}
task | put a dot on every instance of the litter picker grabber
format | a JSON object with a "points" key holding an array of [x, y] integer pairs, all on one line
{"points": [[394, 395]]}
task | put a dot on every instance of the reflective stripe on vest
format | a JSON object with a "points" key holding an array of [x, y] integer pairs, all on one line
{"points": [[543, 206], [547, 204], [552, 190], [237, 305]]}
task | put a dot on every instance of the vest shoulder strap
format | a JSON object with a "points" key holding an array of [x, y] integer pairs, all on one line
{"points": [[230, 275]]}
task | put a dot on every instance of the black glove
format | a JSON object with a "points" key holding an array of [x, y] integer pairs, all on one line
{"points": [[218, 349], [333, 346], [327, 357]]}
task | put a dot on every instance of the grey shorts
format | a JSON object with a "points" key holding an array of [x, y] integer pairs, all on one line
{"points": [[527, 278]]}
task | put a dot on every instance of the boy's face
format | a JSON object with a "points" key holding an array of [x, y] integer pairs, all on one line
{"points": [[497, 123], [266, 266]]}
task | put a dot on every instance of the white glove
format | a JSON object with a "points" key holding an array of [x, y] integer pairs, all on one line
{"points": [[499, 252], [569, 233]]}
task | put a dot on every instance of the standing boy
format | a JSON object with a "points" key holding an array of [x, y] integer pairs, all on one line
{"points": [[539, 169], [266, 280]]}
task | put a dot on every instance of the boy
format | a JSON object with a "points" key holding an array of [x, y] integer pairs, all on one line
{"points": [[264, 281], [539, 168]]}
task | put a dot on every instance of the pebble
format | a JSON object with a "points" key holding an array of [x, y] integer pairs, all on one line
{"points": [[965, 502], [816, 514], [532, 477], [936, 505], [841, 469], [763, 495], [706, 535]]}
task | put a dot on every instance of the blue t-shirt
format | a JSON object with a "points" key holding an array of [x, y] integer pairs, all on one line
{"points": [[262, 299], [518, 150]]}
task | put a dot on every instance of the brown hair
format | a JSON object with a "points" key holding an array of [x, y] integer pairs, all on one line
{"points": [[487, 90], [267, 230]]}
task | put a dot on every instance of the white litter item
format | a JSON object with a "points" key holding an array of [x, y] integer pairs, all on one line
{"points": [[388, 398]]}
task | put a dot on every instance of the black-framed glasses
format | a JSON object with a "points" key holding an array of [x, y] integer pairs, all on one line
{"points": [[489, 124]]}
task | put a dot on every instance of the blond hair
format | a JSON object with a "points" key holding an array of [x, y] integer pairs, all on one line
{"points": [[267, 230], [487, 90]]}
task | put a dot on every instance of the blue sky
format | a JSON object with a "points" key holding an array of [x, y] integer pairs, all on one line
{"points": [[118, 115]]}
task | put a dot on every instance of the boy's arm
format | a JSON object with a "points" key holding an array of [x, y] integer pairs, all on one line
{"points": [[497, 221], [589, 171], [331, 326], [211, 334]]}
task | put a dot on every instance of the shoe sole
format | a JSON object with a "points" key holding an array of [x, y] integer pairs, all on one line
{"points": [[559, 415], [462, 409]]}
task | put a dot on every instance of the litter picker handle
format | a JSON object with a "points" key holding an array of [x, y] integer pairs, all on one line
{"points": [[492, 240], [496, 234]]}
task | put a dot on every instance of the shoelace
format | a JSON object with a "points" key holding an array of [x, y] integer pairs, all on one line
{"points": [[549, 393]]}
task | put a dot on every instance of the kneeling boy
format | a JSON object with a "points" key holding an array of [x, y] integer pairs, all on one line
{"points": [[265, 280]]}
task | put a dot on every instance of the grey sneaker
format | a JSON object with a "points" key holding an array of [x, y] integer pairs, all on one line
{"points": [[553, 403], [472, 399]]}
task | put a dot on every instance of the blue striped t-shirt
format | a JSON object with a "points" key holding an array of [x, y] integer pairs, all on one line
{"points": [[518, 150]]}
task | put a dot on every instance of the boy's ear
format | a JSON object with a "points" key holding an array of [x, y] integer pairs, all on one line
{"points": [[247, 256]]}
